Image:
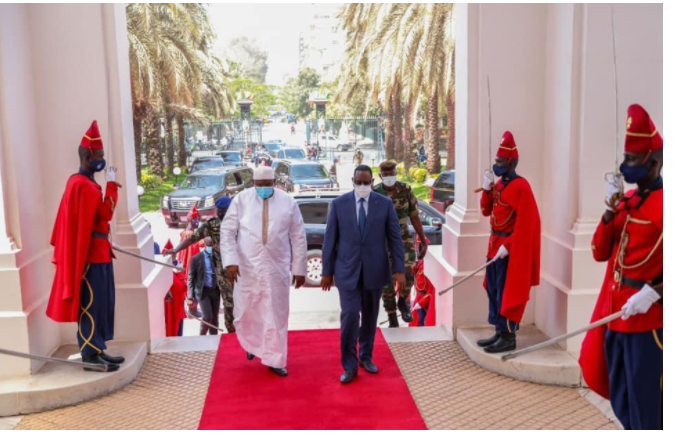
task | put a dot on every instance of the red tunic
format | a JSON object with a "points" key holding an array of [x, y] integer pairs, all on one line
{"points": [[184, 256], [513, 211], [642, 260], [174, 310], [425, 296], [82, 211]]}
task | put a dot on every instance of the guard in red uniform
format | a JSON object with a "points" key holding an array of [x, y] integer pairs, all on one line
{"points": [[83, 290], [623, 361], [185, 256], [515, 236], [174, 301]]}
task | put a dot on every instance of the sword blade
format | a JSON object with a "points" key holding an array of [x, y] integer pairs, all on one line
{"points": [[484, 266], [616, 97], [563, 337], [154, 261], [51, 359]]}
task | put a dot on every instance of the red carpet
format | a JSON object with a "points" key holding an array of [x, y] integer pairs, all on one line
{"points": [[247, 395]]}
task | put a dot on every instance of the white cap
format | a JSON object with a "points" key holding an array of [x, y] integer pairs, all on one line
{"points": [[263, 173]]}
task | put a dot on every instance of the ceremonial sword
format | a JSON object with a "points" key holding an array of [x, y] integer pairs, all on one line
{"points": [[615, 177], [478, 190], [154, 261], [484, 266], [103, 367], [560, 338], [201, 319]]}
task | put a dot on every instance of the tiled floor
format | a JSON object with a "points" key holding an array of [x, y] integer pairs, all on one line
{"points": [[451, 393]]}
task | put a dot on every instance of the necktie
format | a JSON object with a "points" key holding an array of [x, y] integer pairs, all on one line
{"points": [[362, 216]]}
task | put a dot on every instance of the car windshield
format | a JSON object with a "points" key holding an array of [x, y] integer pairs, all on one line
{"points": [[445, 180], [211, 163], [231, 157], [272, 146], [203, 181], [294, 153], [309, 172]]}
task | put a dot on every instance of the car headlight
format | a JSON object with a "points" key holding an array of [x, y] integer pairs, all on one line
{"points": [[165, 202], [209, 202]]}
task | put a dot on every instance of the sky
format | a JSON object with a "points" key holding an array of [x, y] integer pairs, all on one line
{"points": [[276, 27]]}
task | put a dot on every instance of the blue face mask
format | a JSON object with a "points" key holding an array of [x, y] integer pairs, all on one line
{"points": [[208, 249], [634, 174], [264, 192], [499, 171], [97, 164]]}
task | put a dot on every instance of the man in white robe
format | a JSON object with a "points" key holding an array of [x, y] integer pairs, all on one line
{"points": [[264, 251]]}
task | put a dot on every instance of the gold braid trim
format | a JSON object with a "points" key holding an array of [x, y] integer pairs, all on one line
{"points": [[85, 311]]}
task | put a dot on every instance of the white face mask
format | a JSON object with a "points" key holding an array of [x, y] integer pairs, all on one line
{"points": [[363, 190], [389, 181]]}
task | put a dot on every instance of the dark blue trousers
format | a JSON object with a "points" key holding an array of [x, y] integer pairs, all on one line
{"points": [[635, 364], [96, 323], [495, 280], [358, 321]]}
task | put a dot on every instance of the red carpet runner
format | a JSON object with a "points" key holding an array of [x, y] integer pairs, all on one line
{"points": [[247, 395]]}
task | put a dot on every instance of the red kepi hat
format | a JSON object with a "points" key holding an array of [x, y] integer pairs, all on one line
{"points": [[92, 139], [507, 147], [167, 246], [641, 134], [193, 212]]}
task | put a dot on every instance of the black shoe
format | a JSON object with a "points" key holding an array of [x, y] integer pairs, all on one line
{"points": [[393, 320], [506, 343], [279, 371], [488, 341], [404, 307], [249, 356], [369, 366], [348, 376], [112, 360], [96, 359]]}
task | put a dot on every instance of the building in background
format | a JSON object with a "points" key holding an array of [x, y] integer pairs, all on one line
{"points": [[321, 44]]}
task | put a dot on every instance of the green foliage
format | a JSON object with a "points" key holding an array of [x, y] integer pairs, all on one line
{"points": [[246, 57], [151, 200], [150, 181], [400, 169], [262, 94], [295, 94]]}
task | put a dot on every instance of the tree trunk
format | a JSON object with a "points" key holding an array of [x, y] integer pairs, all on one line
{"points": [[398, 128], [138, 145], [390, 135], [409, 144], [168, 140], [182, 153], [450, 164], [434, 159], [154, 146]]}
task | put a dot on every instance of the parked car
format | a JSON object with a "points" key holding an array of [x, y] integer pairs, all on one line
{"points": [[314, 207], [346, 146], [205, 163], [273, 147], [232, 158], [443, 191], [366, 143], [203, 188], [291, 153], [293, 176]]}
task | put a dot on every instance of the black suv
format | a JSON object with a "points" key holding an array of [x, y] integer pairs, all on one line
{"points": [[294, 176], [203, 188], [314, 206], [206, 162], [443, 191]]}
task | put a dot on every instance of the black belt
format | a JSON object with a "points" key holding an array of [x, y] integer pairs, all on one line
{"points": [[99, 235], [638, 284], [501, 233]]}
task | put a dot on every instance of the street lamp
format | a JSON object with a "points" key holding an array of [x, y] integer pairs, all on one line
{"points": [[176, 172], [140, 190], [320, 103]]}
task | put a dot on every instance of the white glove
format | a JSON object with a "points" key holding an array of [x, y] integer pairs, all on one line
{"points": [[488, 180], [502, 252], [640, 302], [110, 174], [417, 307], [613, 188]]}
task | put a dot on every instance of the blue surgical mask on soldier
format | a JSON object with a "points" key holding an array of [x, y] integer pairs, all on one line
{"points": [[97, 164], [264, 192], [500, 171], [634, 174]]}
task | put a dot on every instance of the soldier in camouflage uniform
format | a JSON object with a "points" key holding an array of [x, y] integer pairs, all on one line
{"points": [[211, 228], [405, 204]]}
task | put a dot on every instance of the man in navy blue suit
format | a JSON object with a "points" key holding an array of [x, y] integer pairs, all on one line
{"points": [[361, 226]]}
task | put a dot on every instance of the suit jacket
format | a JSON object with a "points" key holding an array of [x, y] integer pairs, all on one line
{"points": [[346, 251], [197, 275]]}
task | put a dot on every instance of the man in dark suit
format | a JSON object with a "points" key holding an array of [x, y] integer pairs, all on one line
{"points": [[203, 287], [361, 225]]}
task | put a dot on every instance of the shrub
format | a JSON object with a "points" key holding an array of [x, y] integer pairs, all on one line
{"points": [[400, 169], [150, 182], [420, 175]]}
